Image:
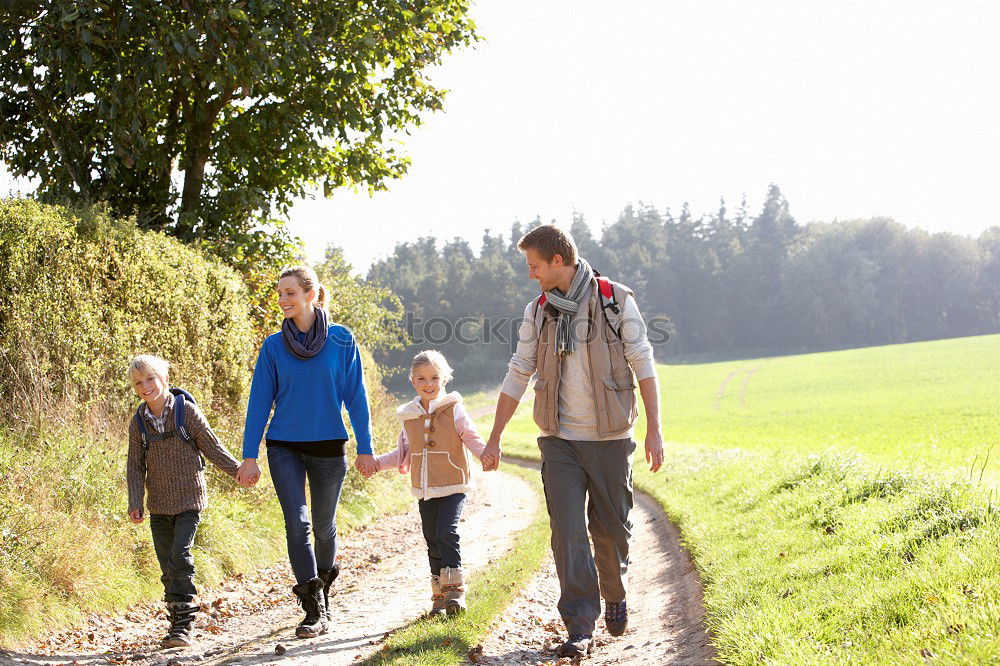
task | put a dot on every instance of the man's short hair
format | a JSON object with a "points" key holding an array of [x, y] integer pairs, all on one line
{"points": [[549, 240]]}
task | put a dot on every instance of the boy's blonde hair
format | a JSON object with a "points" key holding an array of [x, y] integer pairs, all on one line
{"points": [[146, 363], [436, 360]]}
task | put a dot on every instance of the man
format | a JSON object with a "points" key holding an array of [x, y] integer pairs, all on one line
{"points": [[585, 347]]}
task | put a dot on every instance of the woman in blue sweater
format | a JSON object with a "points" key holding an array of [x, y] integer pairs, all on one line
{"points": [[307, 372]]}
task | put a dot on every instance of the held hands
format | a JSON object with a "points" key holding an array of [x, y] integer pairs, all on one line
{"points": [[135, 515], [248, 474], [491, 455], [654, 447], [366, 465]]}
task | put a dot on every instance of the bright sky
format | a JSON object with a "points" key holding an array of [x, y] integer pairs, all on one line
{"points": [[855, 109]]}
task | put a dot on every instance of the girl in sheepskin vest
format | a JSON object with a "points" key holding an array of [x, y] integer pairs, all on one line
{"points": [[434, 444]]}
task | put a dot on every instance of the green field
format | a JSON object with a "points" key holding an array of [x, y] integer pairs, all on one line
{"points": [[833, 501], [928, 407]]}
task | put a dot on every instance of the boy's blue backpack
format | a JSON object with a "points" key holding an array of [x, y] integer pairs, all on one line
{"points": [[180, 397]]}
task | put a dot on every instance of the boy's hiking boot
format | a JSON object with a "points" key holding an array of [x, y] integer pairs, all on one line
{"points": [[615, 617], [310, 594], [453, 588], [577, 645], [328, 576], [437, 597], [181, 619]]}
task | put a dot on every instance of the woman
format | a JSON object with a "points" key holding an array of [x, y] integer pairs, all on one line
{"points": [[307, 372]]}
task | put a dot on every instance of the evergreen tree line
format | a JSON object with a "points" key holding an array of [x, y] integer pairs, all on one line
{"points": [[724, 284]]}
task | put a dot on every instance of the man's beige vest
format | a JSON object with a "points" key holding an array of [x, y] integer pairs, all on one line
{"points": [[611, 376], [439, 461]]}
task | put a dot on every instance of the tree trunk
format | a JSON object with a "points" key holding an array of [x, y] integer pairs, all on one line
{"points": [[72, 165], [197, 149]]}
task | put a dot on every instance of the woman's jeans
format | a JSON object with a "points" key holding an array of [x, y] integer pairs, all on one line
{"points": [[439, 518], [173, 537], [289, 470]]}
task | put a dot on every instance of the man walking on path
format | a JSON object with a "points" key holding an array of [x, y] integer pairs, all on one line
{"points": [[585, 339]]}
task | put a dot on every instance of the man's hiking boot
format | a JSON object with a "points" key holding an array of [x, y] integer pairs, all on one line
{"points": [[437, 597], [453, 588], [328, 576], [181, 618], [615, 617], [310, 594], [578, 645]]}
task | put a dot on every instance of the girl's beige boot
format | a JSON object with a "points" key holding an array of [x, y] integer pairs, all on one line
{"points": [[453, 587], [437, 596]]}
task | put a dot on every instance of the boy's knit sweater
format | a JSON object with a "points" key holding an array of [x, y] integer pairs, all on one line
{"points": [[173, 479]]}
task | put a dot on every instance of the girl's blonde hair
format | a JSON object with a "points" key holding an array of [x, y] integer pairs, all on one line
{"points": [[436, 360], [147, 363], [307, 279]]}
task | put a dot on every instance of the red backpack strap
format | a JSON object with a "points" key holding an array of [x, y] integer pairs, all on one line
{"points": [[608, 301], [605, 286], [539, 302]]}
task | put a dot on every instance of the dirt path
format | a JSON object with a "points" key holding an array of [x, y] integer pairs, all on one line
{"points": [[384, 586], [666, 617]]}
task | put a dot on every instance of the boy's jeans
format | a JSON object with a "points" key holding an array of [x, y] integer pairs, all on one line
{"points": [[439, 518], [173, 537], [289, 470]]}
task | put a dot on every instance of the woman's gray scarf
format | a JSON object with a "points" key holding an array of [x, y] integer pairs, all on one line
{"points": [[313, 341], [568, 305]]}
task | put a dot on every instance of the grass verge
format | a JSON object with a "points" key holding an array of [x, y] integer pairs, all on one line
{"points": [[830, 560], [435, 642], [827, 559]]}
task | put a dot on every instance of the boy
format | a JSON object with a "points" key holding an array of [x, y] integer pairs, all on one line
{"points": [[164, 454]]}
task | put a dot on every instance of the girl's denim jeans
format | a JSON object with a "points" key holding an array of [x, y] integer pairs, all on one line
{"points": [[439, 517], [289, 470]]}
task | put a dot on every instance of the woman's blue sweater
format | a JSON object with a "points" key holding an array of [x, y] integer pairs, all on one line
{"points": [[308, 395]]}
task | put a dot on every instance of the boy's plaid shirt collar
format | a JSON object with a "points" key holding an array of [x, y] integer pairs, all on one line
{"points": [[160, 422]]}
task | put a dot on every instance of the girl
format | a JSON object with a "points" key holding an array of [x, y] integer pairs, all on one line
{"points": [[432, 445], [307, 372]]}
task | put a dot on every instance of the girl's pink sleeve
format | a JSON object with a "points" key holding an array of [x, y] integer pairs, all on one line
{"points": [[399, 458], [467, 431]]}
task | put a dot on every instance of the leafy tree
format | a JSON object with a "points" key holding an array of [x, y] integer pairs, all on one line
{"points": [[989, 279], [205, 118], [730, 283], [374, 314]]}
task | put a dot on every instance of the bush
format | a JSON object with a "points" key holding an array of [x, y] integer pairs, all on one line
{"points": [[84, 293]]}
